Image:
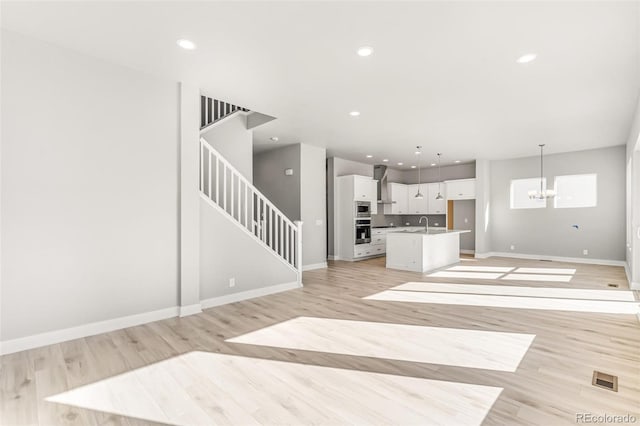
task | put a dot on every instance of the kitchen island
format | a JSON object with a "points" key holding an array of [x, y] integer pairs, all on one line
{"points": [[423, 250]]}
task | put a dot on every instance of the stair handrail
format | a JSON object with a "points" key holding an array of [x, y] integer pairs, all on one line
{"points": [[246, 181]]}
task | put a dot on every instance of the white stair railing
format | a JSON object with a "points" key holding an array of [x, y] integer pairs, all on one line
{"points": [[224, 187]]}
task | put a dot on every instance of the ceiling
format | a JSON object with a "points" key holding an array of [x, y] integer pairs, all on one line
{"points": [[443, 74]]}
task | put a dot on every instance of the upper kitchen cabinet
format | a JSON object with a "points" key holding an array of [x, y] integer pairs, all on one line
{"points": [[417, 205], [436, 206], [364, 188], [361, 188], [397, 193], [461, 189]]}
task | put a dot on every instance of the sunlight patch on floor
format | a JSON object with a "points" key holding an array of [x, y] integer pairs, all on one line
{"points": [[471, 268], [559, 271], [538, 277], [467, 275], [209, 388], [574, 305], [505, 290], [489, 350]]}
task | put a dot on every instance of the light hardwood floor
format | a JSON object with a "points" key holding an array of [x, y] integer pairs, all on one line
{"points": [[550, 385]]}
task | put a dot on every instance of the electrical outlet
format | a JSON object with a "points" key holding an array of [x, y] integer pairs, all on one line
{"points": [[318, 222], [466, 220], [436, 224], [232, 282], [585, 252], [512, 247], [407, 224]]}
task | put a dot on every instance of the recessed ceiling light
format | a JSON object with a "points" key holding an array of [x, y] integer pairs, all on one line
{"points": [[274, 138], [354, 113], [526, 58], [369, 156], [400, 164], [457, 161], [413, 167], [365, 51], [417, 152], [186, 44], [386, 160], [433, 164]]}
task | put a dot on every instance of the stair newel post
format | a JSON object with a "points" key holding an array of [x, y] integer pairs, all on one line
{"points": [[298, 224]]}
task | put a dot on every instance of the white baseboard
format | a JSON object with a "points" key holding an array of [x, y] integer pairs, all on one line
{"points": [[333, 257], [607, 262], [185, 311], [249, 294], [91, 329], [313, 266], [465, 251]]}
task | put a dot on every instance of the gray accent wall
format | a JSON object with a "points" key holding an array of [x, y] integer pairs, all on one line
{"points": [[301, 196], [269, 178], [89, 190], [464, 217], [550, 231]]}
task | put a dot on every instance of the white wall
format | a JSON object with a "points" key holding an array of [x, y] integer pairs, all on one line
{"points": [[89, 190], [232, 139], [313, 205], [226, 251], [483, 207], [549, 231], [633, 201]]}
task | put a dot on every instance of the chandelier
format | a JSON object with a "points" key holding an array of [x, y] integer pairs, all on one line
{"points": [[542, 193]]}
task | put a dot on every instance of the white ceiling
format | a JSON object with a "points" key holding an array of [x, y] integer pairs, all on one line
{"points": [[443, 74]]}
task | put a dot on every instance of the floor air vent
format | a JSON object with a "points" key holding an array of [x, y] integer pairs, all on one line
{"points": [[612, 285], [605, 381]]}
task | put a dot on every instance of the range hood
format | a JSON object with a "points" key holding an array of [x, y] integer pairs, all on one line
{"points": [[380, 174]]}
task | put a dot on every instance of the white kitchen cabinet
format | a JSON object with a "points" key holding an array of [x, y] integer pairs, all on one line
{"points": [[364, 250], [364, 188], [461, 189], [349, 190], [436, 206], [398, 195], [415, 205]]}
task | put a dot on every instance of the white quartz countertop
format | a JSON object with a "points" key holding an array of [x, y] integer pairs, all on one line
{"points": [[437, 231]]}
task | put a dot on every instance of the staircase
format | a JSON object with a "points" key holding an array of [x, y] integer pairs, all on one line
{"points": [[225, 189], [214, 110]]}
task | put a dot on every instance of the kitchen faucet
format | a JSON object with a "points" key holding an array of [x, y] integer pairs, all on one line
{"points": [[426, 219]]}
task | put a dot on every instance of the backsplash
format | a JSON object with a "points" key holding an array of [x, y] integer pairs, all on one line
{"points": [[401, 220]]}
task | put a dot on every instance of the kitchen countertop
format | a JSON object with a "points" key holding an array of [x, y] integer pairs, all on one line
{"points": [[431, 231]]}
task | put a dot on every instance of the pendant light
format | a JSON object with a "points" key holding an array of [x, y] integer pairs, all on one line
{"points": [[439, 196], [419, 195], [542, 193]]}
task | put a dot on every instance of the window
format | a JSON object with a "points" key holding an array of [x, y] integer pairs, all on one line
{"points": [[520, 193], [573, 191]]}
